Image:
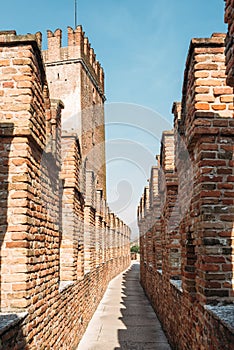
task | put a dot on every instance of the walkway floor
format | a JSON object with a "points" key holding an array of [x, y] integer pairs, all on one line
{"points": [[124, 319]]}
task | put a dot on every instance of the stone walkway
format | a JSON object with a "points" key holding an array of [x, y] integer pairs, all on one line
{"points": [[124, 319]]}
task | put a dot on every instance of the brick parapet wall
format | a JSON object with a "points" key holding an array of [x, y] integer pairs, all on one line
{"points": [[196, 195], [42, 247], [204, 133], [23, 80], [187, 325], [229, 19]]}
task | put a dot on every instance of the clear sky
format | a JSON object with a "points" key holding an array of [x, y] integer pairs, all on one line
{"points": [[142, 46]]}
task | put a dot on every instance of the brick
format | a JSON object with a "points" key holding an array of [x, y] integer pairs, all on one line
{"points": [[21, 61], [201, 74], [218, 107], [4, 62], [218, 74], [202, 90], [8, 85], [208, 82], [223, 90], [226, 98], [206, 66], [227, 267], [204, 97], [202, 106]]}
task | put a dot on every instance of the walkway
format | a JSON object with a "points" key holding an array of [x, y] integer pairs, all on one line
{"points": [[124, 319]]}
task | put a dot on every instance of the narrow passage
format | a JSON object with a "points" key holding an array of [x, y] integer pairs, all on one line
{"points": [[124, 320]]}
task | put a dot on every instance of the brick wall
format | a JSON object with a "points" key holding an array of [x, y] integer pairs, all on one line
{"points": [[192, 289], [229, 19], [52, 277]]}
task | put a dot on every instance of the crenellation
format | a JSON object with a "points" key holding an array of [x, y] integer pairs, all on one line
{"points": [[54, 218], [79, 48], [184, 255]]}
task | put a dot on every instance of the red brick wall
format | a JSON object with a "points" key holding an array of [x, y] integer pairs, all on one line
{"points": [[195, 195], [42, 212]]}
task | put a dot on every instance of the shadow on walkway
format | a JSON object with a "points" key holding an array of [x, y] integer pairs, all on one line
{"points": [[125, 320], [143, 329]]}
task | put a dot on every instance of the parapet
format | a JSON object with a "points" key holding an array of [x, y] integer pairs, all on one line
{"points": [[79, 48]]}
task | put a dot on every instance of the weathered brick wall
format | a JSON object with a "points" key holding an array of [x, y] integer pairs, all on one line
{"points": [[229, 19], [195, 300], [29, 231], [47, 294], [208, 137]]}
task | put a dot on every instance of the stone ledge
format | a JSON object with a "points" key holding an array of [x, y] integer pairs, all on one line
{"points": [[223, 313], [63, 285], [177, 284], [10, 320]]}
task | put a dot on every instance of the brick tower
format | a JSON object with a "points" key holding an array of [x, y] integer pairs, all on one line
{"points": [[76, 77]]}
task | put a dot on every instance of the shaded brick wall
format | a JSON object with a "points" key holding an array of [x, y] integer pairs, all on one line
{"points": [[192, 291], [48, 288]]}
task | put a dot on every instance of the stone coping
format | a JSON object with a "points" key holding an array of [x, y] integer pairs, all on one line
{"points": [[177, 284], [224, 313], [9, 320], [63, 285]]}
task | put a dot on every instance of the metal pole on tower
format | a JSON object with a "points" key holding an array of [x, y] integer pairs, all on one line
{"points": [[75, 13]]}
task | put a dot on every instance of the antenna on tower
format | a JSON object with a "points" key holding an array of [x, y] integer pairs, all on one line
{"points": [[75, 13]]}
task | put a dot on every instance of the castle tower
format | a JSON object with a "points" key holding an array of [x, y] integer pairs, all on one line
{"points": [[76, 77]]}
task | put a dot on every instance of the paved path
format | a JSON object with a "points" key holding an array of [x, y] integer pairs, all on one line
{"points": [[124, 319]]}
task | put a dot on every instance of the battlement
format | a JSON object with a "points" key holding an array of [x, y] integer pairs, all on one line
{"points": [[78, 48]]}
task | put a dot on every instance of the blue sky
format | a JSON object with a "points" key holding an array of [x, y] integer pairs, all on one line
{"points": [[142, 46]]}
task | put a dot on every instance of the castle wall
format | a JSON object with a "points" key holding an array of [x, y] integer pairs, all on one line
{"points": [[47, 294], [192, 290]]}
